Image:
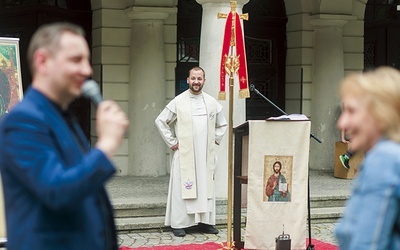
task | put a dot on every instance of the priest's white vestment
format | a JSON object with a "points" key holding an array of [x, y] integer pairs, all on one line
{"points": [[197, 124]]}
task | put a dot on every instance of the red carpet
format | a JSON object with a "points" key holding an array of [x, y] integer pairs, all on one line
{"points": [[318, 245], [204, 246]]}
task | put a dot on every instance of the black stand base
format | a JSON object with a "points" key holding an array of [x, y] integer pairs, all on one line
{"points": [[310, 247]]}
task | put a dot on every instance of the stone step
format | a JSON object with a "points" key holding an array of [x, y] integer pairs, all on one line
{"points": [[328, 201], [156, 223], [131, 209], [326, 214], [153, 208]]}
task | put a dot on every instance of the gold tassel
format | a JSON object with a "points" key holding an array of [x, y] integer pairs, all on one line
{"points": [[222, 95], [244, 93]]}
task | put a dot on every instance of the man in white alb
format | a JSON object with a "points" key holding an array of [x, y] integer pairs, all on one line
{"points": [[191, 125]]}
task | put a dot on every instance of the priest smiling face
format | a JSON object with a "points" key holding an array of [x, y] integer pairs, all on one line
{"points": [[196, 80]]}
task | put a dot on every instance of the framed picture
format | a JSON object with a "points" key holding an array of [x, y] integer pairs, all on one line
{"points": [[277, 182], [10, 74]]}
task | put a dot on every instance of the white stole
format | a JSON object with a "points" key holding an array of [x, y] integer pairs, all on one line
{"points": [[186, 150]]}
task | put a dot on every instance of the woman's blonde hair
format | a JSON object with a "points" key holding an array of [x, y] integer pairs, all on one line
{"points": [[380, 88]]}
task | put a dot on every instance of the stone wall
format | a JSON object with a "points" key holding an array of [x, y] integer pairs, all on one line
{"points": [[110, 59]]}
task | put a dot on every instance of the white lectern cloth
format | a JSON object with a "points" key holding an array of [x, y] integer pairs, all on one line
{"points": [[287, 142]]}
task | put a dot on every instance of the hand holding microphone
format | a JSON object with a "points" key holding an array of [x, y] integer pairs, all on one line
{"points": [[111, 122]]}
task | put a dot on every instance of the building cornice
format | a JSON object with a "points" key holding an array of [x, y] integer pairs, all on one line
{"points": [[150, 13], [328, 20]]}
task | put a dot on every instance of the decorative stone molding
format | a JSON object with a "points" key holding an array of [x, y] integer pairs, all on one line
{"points": [[326, 20], [363, 1], [151, 3], [150, 13]]}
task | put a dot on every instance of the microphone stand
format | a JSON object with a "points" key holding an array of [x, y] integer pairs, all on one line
{"points": [[310, 245], [253, 88]]}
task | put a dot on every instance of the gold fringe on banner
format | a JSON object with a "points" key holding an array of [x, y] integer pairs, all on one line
{"points": [[244, 93], [222, 95]]}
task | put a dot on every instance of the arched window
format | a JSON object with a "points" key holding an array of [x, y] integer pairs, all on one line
{"points": [[20, 19]]}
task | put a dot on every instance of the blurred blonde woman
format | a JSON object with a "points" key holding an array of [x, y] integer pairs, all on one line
{"points": [[371, 116]]}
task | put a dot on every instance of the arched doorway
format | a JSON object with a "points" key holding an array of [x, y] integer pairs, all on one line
{"points": [[20, 19], [188, 41], [265, 37], [381, 34]]}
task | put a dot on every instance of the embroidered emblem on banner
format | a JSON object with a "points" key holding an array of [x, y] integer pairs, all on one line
{"points": [[188, 184], [211, 115]]}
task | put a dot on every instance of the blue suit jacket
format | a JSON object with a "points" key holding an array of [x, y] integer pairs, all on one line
{"points": [[53, 187]]}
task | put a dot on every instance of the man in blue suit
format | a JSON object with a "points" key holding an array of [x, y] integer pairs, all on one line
{"points": [[53, 181]]}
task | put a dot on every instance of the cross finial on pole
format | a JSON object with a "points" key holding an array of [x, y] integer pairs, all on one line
{"points": [[233, 10]]}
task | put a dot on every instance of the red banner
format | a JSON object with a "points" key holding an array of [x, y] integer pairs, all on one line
{"points": [[236, 31]]}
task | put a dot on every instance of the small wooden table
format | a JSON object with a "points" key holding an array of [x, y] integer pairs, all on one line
{"points": [[355, 161]]}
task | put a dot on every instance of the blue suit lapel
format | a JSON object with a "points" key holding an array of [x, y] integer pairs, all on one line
{"points": [[69, 147]]}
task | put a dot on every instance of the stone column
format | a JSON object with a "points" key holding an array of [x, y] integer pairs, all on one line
{"points": [[328, 71], [212, 30], [147, 90]]}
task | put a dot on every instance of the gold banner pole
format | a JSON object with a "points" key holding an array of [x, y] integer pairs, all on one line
{"points": [[231, 67], [229, 243]]}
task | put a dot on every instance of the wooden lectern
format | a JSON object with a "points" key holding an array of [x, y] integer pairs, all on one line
{"points": [[240, 162]]}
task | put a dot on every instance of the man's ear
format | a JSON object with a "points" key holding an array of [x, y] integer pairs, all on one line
{"points": [[40, 59]]}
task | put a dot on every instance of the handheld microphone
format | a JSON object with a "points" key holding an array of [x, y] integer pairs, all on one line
{"points": [[252, 87], [91, 90]]}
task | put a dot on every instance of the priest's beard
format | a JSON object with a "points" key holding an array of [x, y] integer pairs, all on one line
{"points": [[196, 89]]}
